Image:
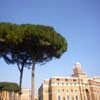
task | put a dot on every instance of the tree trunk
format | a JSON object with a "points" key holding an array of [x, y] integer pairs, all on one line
{"points": [[33, 82], [20, 83]]}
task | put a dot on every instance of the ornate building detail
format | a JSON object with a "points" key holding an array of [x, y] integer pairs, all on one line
{"points": [[76, 87]]}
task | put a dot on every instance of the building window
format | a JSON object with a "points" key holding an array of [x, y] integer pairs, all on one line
{"points": [[71, 90], [74, 83], [75, 91], [66, 79], [67, 97], [63, 98], [66, 83], [58, 91], [74, 80], [58, 79], [87, 94], [72, 97], [76, 97], [62, 83], [63, 90], [59, 98], [67, 91]]}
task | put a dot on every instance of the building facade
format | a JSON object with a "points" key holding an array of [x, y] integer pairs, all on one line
{"points": [[5, 95], [26, 95], [8, 91], [76, 87]]}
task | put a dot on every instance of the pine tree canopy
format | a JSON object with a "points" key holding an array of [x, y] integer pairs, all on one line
{"points": [[7, 86], [25, 43]]}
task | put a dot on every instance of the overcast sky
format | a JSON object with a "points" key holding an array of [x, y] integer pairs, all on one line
{"points": [[77, 20]]}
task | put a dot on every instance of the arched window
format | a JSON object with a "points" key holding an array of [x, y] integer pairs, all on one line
{"points": [[87, 94]]}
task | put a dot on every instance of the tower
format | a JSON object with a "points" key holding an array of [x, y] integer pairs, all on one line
{"points": [[77, 71], [77, 68]]}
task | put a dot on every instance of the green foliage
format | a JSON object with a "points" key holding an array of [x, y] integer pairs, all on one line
{"points": [[28, 42], [6, 86]]}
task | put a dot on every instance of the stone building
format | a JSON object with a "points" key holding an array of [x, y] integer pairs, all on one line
{"points": [[76, 87], [5, 95], [8, 91], [26, 94]]}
